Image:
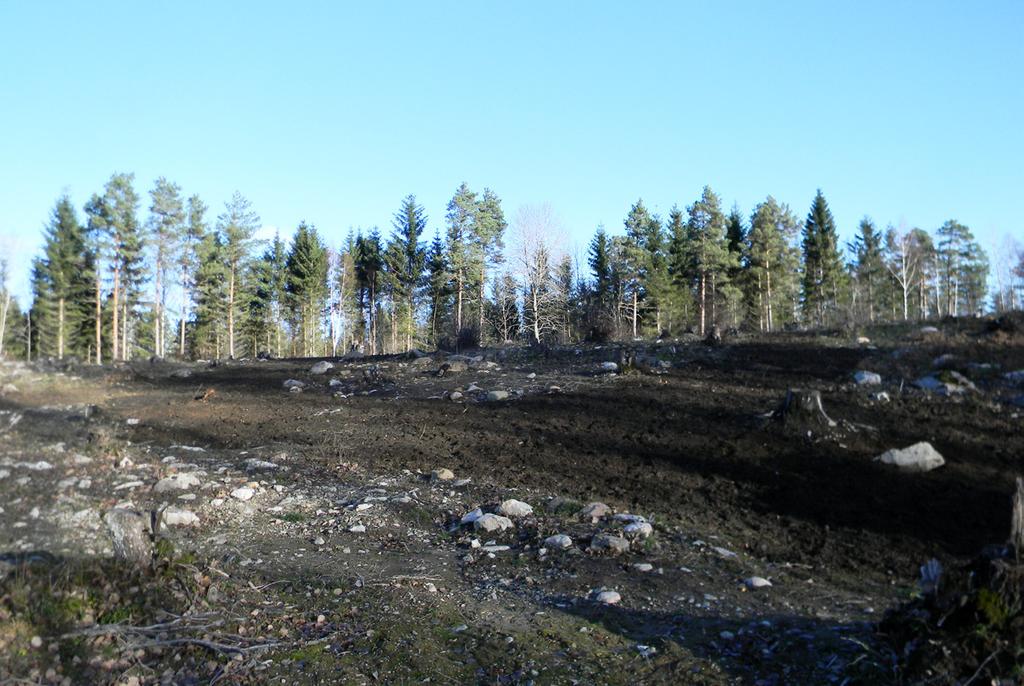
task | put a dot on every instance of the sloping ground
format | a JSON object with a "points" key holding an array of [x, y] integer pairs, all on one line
{"points": [[413, 594]]}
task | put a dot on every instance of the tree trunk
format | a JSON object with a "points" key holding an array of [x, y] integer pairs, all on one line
{"points": [[483, 275], [99, 319], [635, 305], [117, 286], [60, 329], [702, 294], [125, 353], [231, 313], [4, 307], [157, 319]]}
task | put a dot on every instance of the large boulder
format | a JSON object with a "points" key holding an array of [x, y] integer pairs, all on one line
{"points": [[321, 367], [920, 457]]}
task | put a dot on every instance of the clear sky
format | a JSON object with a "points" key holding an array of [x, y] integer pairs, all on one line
{"points": [[909, 112]]}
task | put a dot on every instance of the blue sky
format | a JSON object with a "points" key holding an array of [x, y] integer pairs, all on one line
{"points": [[908, 112]]}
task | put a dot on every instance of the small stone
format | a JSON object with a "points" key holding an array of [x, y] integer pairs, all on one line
{"points": [[594, 512], [492, 522], [494, 396], [639, 530], [36, 642], [177, 482], [455, 396], [608, 597], [642, 567], [321, 367], [442, 474], [293, 384], [253, 465], [756, 582], [243, 493], [177, 516], [319, 540], [609, 367], [431, 588], [357, 529], [866, 378], [616, 545], [558, 542], [515, 508], [471, 516]]}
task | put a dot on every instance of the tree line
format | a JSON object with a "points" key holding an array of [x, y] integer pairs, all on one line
{"points": [[111, 284]]}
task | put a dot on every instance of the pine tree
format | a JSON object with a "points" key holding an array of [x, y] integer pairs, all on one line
{"points": [[369, 263], [236, 226], [461, 221], [771, 261], [306, 269], [823, 268], [166, 220], [488, 229], [346, 283], [210, 297], [192, 238], [679, 268], [708, 253]]}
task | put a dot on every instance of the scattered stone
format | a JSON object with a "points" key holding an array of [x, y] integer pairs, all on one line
{"points": [[334, 383], [492, 522], [640, 530], [756, 582], [944, 361], [920, 457], [928, 330], [642, 567], [455, 396], [616, 545], [471, 516], [515, 508], [594, 512], [558, 542], [866, 378], [947, 383], [253, 465], [628, 518], [1016, 378], [243, 493], [443, 474], [608, 597], [724, 552], [880, 397], [357, 529], [494, 396], [177, 482], [609, 366], [863, 340], [177, 516], [292, 384], [321, 367]]}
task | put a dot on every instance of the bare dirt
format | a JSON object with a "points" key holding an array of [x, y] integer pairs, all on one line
{"points": [[686, 441]]}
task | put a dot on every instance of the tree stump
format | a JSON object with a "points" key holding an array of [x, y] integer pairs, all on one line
{"points": [[714, 337], [803, 408], [129, 532]]}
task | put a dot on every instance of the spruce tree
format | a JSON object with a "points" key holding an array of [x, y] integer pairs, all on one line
{"points": [[439, 290], [306, 269], [68, 272], [461, 221], [869, 267], [771, 261], [193, 236], [823, 267], [408, 260]]}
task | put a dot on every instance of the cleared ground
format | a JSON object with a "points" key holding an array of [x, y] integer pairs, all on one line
{"points": [[280, 586]]}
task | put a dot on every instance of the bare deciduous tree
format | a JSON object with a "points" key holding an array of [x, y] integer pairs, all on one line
{"points": [[537, 238]]}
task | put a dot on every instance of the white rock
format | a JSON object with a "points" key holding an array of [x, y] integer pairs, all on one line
{"points": [[866, 378], [920, 457], [177, 516], [609, 367], [294, 383], [177, 482], [608, 597], [1016, 377], [362, 507], [492, 522], [724, 552], [643, 567], [132, 421], [321, 367], [639, 530], [497, 395], [558, 542], [253, 464], [515, 508], [628, 518], [455, 396], [243, 493], [756, 582], [929, 330], [334, 383], [357, 529]]}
